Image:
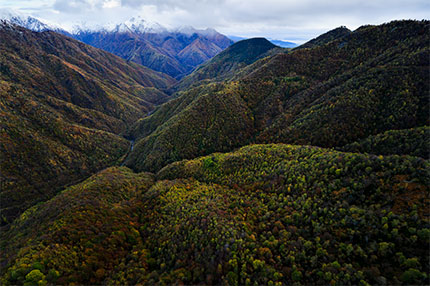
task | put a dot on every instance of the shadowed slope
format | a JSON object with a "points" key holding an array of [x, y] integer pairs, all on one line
{"points": [[371, 81], [63, 105]]}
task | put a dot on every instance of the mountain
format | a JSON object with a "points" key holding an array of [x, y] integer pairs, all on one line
{"points": [[268, 214], [63, 106], [341, 90], [176, 52], [29, 22], [279, 43], [327, 37], [225, 64], [236, 38], [24, 20], [141, 26], [413, 142]]}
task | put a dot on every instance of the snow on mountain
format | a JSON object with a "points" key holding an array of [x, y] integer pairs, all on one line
{"points": [[24, 20], [139, 25], [209, 32], [90, 27], [134, 25], [189, 30], [121, 28]]}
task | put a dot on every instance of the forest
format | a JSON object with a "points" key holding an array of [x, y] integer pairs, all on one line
{"points": [[270, 214], [265, 166]]}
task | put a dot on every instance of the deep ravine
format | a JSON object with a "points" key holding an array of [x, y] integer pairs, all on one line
{"points": [[129, 151]]}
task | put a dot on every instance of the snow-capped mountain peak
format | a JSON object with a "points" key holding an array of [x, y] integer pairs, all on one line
{"points": [[24, 20], [189, 30], [89, 27], [209, 32], [139, 25], [135, 24], [121, 28]]}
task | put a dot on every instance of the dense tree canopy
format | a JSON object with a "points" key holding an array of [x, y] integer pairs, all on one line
{"points": [[265, 214], [343, 88]]}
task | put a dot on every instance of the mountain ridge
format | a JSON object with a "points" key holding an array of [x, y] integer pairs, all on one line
{"points": [[229, 61], [146, 43], [290, 98], [159, 52], [64, 107]]}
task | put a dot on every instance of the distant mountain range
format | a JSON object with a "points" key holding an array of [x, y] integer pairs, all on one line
{"points": [[283, 44], [279, 43], [175, 52], [25, 21]]}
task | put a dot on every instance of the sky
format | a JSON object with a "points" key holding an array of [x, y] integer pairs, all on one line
{"points": [[293, 20]]}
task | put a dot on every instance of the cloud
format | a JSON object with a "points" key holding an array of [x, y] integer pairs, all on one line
{"points": [[79, 6], [112, 4], [174, 4], [283, 19], [71, 6], [280, 18]]}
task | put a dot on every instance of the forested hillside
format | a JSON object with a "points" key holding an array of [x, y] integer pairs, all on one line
{"points": [[414, 142], [265, 214], [359, 84], [63, 105], [229, 61]]}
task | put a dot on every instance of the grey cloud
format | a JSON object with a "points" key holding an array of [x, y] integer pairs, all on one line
{"points": [[281, 12], [71, 6], [78, 6]]}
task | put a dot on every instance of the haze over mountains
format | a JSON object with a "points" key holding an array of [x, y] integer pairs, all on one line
{"points": [[113, 173]]}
